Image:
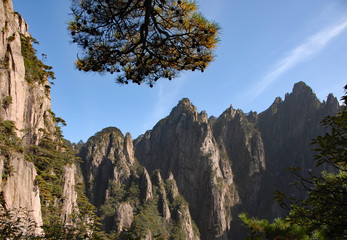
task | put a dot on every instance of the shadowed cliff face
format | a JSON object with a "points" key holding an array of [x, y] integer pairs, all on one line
{"points": [[100, 154], [222, 166], [183, 144], [287, 129], [187, 168], [235, 162]]}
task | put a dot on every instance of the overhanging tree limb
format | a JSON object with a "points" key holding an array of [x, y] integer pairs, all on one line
{"points": [[143, 40]]}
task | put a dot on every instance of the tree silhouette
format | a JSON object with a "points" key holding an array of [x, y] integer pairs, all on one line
{"points": [[142, 40]]}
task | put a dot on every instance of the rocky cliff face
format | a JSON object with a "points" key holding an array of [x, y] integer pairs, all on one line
{"points": [[188, 169], [129, 200], [222, 166], [232, 164], [27, 126], [183, 144], [26, 104]]}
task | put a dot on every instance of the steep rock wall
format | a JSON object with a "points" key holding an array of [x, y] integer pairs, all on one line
{"points": [[20, 192], [234, 163], [183, 145], [130, 201], [27, 104]]}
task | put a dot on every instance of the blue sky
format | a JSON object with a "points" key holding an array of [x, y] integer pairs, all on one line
{"points": [[266, 46]]}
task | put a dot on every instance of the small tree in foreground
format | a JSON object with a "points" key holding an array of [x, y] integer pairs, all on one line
{"points": [[142, 40], [323, 213]]}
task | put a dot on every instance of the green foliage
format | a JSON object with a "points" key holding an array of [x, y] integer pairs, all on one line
{"points": [[83, 222], [6, 101], [145, 40], [6, 61], [279, 229], [224, 156], [117, 195], [162, 121], [80, 226], [74, 147], [35, 70], [49, 158], [9, 142], [11, 38], [148, 219], [13, 223], [7, 171], [323, 213]]}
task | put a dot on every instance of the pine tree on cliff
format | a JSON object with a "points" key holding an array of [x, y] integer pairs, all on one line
{"points": [[142, 40], [323, 213]]}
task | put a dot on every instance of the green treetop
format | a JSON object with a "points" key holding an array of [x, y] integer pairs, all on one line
{"points": [[142, 40]]}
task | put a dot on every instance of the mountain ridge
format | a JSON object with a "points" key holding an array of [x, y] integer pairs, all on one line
{"points": [[187, 178], [226, 140], [233, 163]]}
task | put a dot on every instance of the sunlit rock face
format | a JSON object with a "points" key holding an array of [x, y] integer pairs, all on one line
{"points": [[232, 164], [28, 105], [24, 105]]}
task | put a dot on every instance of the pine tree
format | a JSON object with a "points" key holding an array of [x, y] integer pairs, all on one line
{"points": [[142, 40]]}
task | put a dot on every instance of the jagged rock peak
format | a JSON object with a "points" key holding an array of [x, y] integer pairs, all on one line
{"points": [[252, 116], [277, 101], [332, 101], [229, 113], [185, 102], [184, 106], [275, 105], [302, 92], [105, 131], [129, 148], [301, 87], [107, 155], [146, 186]]}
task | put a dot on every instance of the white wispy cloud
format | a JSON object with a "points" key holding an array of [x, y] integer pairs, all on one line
{"points": [[167, 97], [313, 45]]}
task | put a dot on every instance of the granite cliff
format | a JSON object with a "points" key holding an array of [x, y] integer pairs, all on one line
{"points": [[129, 200], [234, 163], [187, 178], [32, 153], [219, 167]]}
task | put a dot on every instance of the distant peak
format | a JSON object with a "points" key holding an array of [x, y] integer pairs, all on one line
{"points": [[185, 102], [105, 131], [331, 98], [229, 113], [302, 94], [332, 101], [275, 105], [184, 105], [277, 100], [301, 87]]}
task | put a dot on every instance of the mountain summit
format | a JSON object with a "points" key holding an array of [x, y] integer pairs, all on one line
{"points": [[187, 178], [234, 163]]}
